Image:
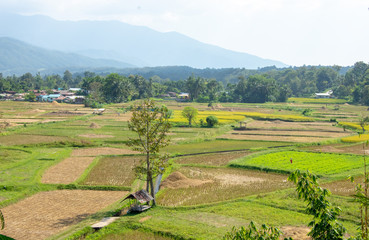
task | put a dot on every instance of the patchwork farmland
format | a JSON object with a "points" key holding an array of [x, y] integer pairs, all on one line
{"points": [[74, 168]]}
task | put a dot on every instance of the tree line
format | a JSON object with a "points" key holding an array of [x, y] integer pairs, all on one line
{"points": [[255, 86]]}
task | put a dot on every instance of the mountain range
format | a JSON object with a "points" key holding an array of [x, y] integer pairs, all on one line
{"points": [[109, 43]]}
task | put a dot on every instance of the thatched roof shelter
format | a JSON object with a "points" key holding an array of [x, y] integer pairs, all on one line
{"points": [[142, 196]]}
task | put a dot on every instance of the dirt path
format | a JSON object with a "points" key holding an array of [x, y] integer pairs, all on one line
{"points": [[47, 213]]}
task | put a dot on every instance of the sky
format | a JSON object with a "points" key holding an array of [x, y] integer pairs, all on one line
{"points": [[296, 32]]}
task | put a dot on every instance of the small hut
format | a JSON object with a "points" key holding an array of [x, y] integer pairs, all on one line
{"points": [[139, 197]]}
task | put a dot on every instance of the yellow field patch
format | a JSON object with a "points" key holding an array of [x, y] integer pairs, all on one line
{"points": [[224, 117]]}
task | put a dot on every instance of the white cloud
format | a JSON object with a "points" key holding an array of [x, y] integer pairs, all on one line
{"points": [[294, 31]]}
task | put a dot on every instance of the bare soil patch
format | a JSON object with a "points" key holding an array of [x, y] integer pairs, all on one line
{"points": [[67, 171], [47, 213], [299, 233], [95, 136], [218, 159], [101, 151]]}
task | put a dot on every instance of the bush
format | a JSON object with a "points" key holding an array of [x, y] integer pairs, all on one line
{"points": [[212, 121]]}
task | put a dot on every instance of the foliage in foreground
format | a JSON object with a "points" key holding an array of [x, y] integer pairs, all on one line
{"points": [[252, 233], [324, 224]]}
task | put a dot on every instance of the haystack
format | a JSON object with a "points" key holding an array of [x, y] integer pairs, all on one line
{"points": [[55, 103], [94, 125], [178, 180]]}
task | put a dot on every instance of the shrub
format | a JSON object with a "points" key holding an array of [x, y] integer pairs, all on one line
{"points": [[252, 233], [212, 121]]}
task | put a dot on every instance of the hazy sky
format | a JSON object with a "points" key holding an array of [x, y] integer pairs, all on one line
{"points": [[295, 32]]}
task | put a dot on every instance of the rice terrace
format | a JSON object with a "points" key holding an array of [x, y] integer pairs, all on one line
{"points": [[64, 168]]}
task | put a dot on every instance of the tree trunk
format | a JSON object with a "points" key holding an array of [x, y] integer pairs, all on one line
{"points": [[147, 171], [152, 190]]}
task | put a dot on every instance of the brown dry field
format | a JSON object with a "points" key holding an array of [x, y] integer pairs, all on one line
{"points": [[113, 171], [123, 117], [218, 159], [29, 139], [298, 233], [274, 138], [47, 213], [277, 124], [206, 185], [292, 133], [21, 120], [100, 151], [343, 187], [338, 148], [67, 171]]}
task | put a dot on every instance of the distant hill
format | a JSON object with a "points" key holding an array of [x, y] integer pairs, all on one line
{"points": [[140, 46], [19, 57]]}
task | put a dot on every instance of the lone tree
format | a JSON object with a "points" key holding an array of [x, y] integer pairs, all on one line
{"points": [[363, 121], [190, 113], [151, 125]]}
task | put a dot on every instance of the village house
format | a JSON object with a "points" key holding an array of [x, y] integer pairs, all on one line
{"points": [[183, 97], [328, 94]]}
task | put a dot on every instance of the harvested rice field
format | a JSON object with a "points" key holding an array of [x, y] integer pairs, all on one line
{"points": [[194, 186], [290, 139], [47, 213], [100, 151], [217, 159], [343, 187], [23, 139], [67, 171], [339, 148], [113, 171], [277, 124], [302, 133]]}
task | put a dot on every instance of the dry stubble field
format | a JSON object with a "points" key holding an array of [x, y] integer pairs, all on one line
{"points": [[47, 213]]}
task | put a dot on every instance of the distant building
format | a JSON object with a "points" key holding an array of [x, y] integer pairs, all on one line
{"points": [[183, 97], [74, 89], [328, 94]]}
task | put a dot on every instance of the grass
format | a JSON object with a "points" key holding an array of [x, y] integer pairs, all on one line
{"points": [[206, 222], [318, 163]]}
